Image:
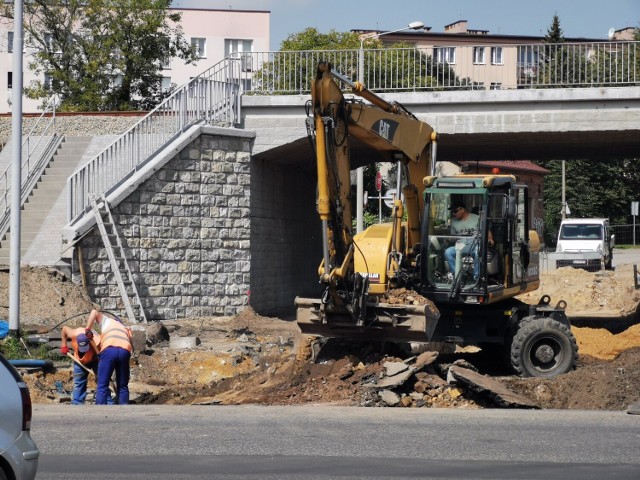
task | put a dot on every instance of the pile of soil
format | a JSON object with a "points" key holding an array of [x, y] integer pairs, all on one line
{"points": [[254, 359]]}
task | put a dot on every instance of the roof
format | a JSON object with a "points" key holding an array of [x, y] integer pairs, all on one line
{"points": [[507, 165]]}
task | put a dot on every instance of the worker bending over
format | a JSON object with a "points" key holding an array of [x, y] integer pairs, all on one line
{"points": [[115, 353], [85, 357]]}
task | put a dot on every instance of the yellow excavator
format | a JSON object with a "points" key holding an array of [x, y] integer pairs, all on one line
{"points": [[449, 265]]}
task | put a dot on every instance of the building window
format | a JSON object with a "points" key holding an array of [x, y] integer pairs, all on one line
{"points": [[445, 54], [496, 56], [10, 42], [495, 86], [47, 82], [478, 55], [166, 84], [200, 45], [9, 80], [528, 55], [48, 42], [236, 48]]}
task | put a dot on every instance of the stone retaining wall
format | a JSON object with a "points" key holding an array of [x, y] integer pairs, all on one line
{"points": [[187, 233]]}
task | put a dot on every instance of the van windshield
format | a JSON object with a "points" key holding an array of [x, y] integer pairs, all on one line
{"points": [[582, 231]]}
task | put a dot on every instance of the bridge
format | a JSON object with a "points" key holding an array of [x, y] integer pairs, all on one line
{"points": [[214, 191], [545, 124]]}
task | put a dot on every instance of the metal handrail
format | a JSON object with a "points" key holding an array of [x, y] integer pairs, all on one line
{"points": [[215, 95], [212, 97], [31, 166], [451, 67]]}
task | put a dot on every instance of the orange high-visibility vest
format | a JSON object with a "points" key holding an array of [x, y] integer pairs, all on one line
{"points": [[90, 355], [116, 335]]}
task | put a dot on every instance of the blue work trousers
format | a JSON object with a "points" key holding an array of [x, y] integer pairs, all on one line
{"points": [[80, 377], [450, 257], [113, 359]]}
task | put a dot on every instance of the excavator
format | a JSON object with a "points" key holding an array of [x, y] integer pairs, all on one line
{"points": [[420, 278]]}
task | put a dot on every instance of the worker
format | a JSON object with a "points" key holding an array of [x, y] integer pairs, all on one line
{"points": [[466, 224], [115, 353], [85, 356]]}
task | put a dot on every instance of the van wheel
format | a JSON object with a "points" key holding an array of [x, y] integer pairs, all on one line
{"points": [[543, 347]]}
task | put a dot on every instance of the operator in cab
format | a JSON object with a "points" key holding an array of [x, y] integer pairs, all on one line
{"points": [[466, 224]]}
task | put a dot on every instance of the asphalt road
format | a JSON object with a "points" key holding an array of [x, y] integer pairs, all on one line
{"points": [[626, 256], [320, 442]]}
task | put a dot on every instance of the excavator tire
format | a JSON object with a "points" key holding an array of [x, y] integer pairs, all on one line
{"points": [[543, 347]]}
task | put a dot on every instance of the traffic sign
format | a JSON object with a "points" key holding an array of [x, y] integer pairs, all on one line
{"points": [[378, 181]]}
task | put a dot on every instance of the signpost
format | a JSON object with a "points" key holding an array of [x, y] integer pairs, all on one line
{"points": [[634, 213], [379, 189]]}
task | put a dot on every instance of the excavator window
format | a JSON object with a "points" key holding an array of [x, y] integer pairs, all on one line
{"points": [[455, 238]]}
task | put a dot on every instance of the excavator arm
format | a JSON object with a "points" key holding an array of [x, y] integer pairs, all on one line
{"points": [[381, 125], [387, 128]]}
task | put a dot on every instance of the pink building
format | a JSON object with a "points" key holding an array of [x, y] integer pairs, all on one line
{"points": [[215, 33]]}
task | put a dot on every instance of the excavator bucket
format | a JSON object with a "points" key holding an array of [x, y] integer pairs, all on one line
{"points": [[384, 322]]}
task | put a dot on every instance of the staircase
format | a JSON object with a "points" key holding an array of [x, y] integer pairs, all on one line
{"points": [[46, 192]]}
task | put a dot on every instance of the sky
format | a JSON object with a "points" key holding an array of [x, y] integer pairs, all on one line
{"points": [[578, 18]]}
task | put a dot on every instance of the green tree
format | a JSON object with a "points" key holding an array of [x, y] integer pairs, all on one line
{"points": [[102, 54], [561, 64], [593, 188], [554, 32]]}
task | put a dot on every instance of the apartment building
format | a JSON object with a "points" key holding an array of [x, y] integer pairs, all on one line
{"points": [[490, 61], [215, 33]]}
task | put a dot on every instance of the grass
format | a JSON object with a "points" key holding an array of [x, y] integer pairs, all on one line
{"points": [[13, 348]]}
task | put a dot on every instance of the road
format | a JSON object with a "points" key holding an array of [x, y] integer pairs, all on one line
{"points": [[625, 256], [320, 442]]}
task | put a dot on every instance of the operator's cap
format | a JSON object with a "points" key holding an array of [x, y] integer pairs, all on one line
{"points": [[83, 343]]}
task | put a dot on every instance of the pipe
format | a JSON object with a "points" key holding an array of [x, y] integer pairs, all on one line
{"points": [[32, 363]]}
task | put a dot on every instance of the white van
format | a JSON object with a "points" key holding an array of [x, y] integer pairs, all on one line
{"points": [[585, 243]]}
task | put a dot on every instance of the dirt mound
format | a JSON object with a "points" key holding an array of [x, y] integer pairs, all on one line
{"points": [[47, 297], [254, 359]]}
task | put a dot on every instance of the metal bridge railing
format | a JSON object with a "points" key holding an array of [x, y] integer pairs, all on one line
{"points": [[38, 147], [215, 96], [454, 67], [212, 97]]}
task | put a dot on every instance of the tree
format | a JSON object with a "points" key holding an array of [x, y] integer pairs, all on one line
{"points": [[101, 55], [593, 188], [554, 32]]}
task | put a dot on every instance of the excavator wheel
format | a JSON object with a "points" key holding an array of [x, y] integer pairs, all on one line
{"points": [[543, 347]]}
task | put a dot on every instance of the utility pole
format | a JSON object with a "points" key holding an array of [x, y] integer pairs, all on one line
{"points": [[16, 173], [360, 170], [563, 210]]}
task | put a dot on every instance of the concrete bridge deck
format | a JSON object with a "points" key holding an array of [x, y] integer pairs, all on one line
{"points": [[538, 124]]}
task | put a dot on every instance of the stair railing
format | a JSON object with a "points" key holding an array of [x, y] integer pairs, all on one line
{"points": [[38, 147], [212, 97]]}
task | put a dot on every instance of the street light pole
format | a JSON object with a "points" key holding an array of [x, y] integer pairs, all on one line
{"points": [[360, 170], [16, 173]]}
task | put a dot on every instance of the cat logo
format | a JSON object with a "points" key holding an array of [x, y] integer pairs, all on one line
{"points": [[385, 128]]}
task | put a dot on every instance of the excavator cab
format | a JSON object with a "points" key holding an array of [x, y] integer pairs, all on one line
{"points": [[479, 247]]}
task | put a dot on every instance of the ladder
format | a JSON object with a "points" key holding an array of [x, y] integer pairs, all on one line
{"points": [[118, 260]]}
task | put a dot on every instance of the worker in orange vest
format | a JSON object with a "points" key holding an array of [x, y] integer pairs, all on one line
{"points": [[115, 353], [85, 354]]}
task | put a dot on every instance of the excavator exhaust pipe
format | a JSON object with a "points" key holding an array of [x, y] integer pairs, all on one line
{"points": [[384, 322]]}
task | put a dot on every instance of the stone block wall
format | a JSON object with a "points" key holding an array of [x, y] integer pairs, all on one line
{"points": [[187, 235], [286, 236]]}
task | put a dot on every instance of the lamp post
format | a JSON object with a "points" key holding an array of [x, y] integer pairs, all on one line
{"points": [[360, 170], [16, 173]]}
